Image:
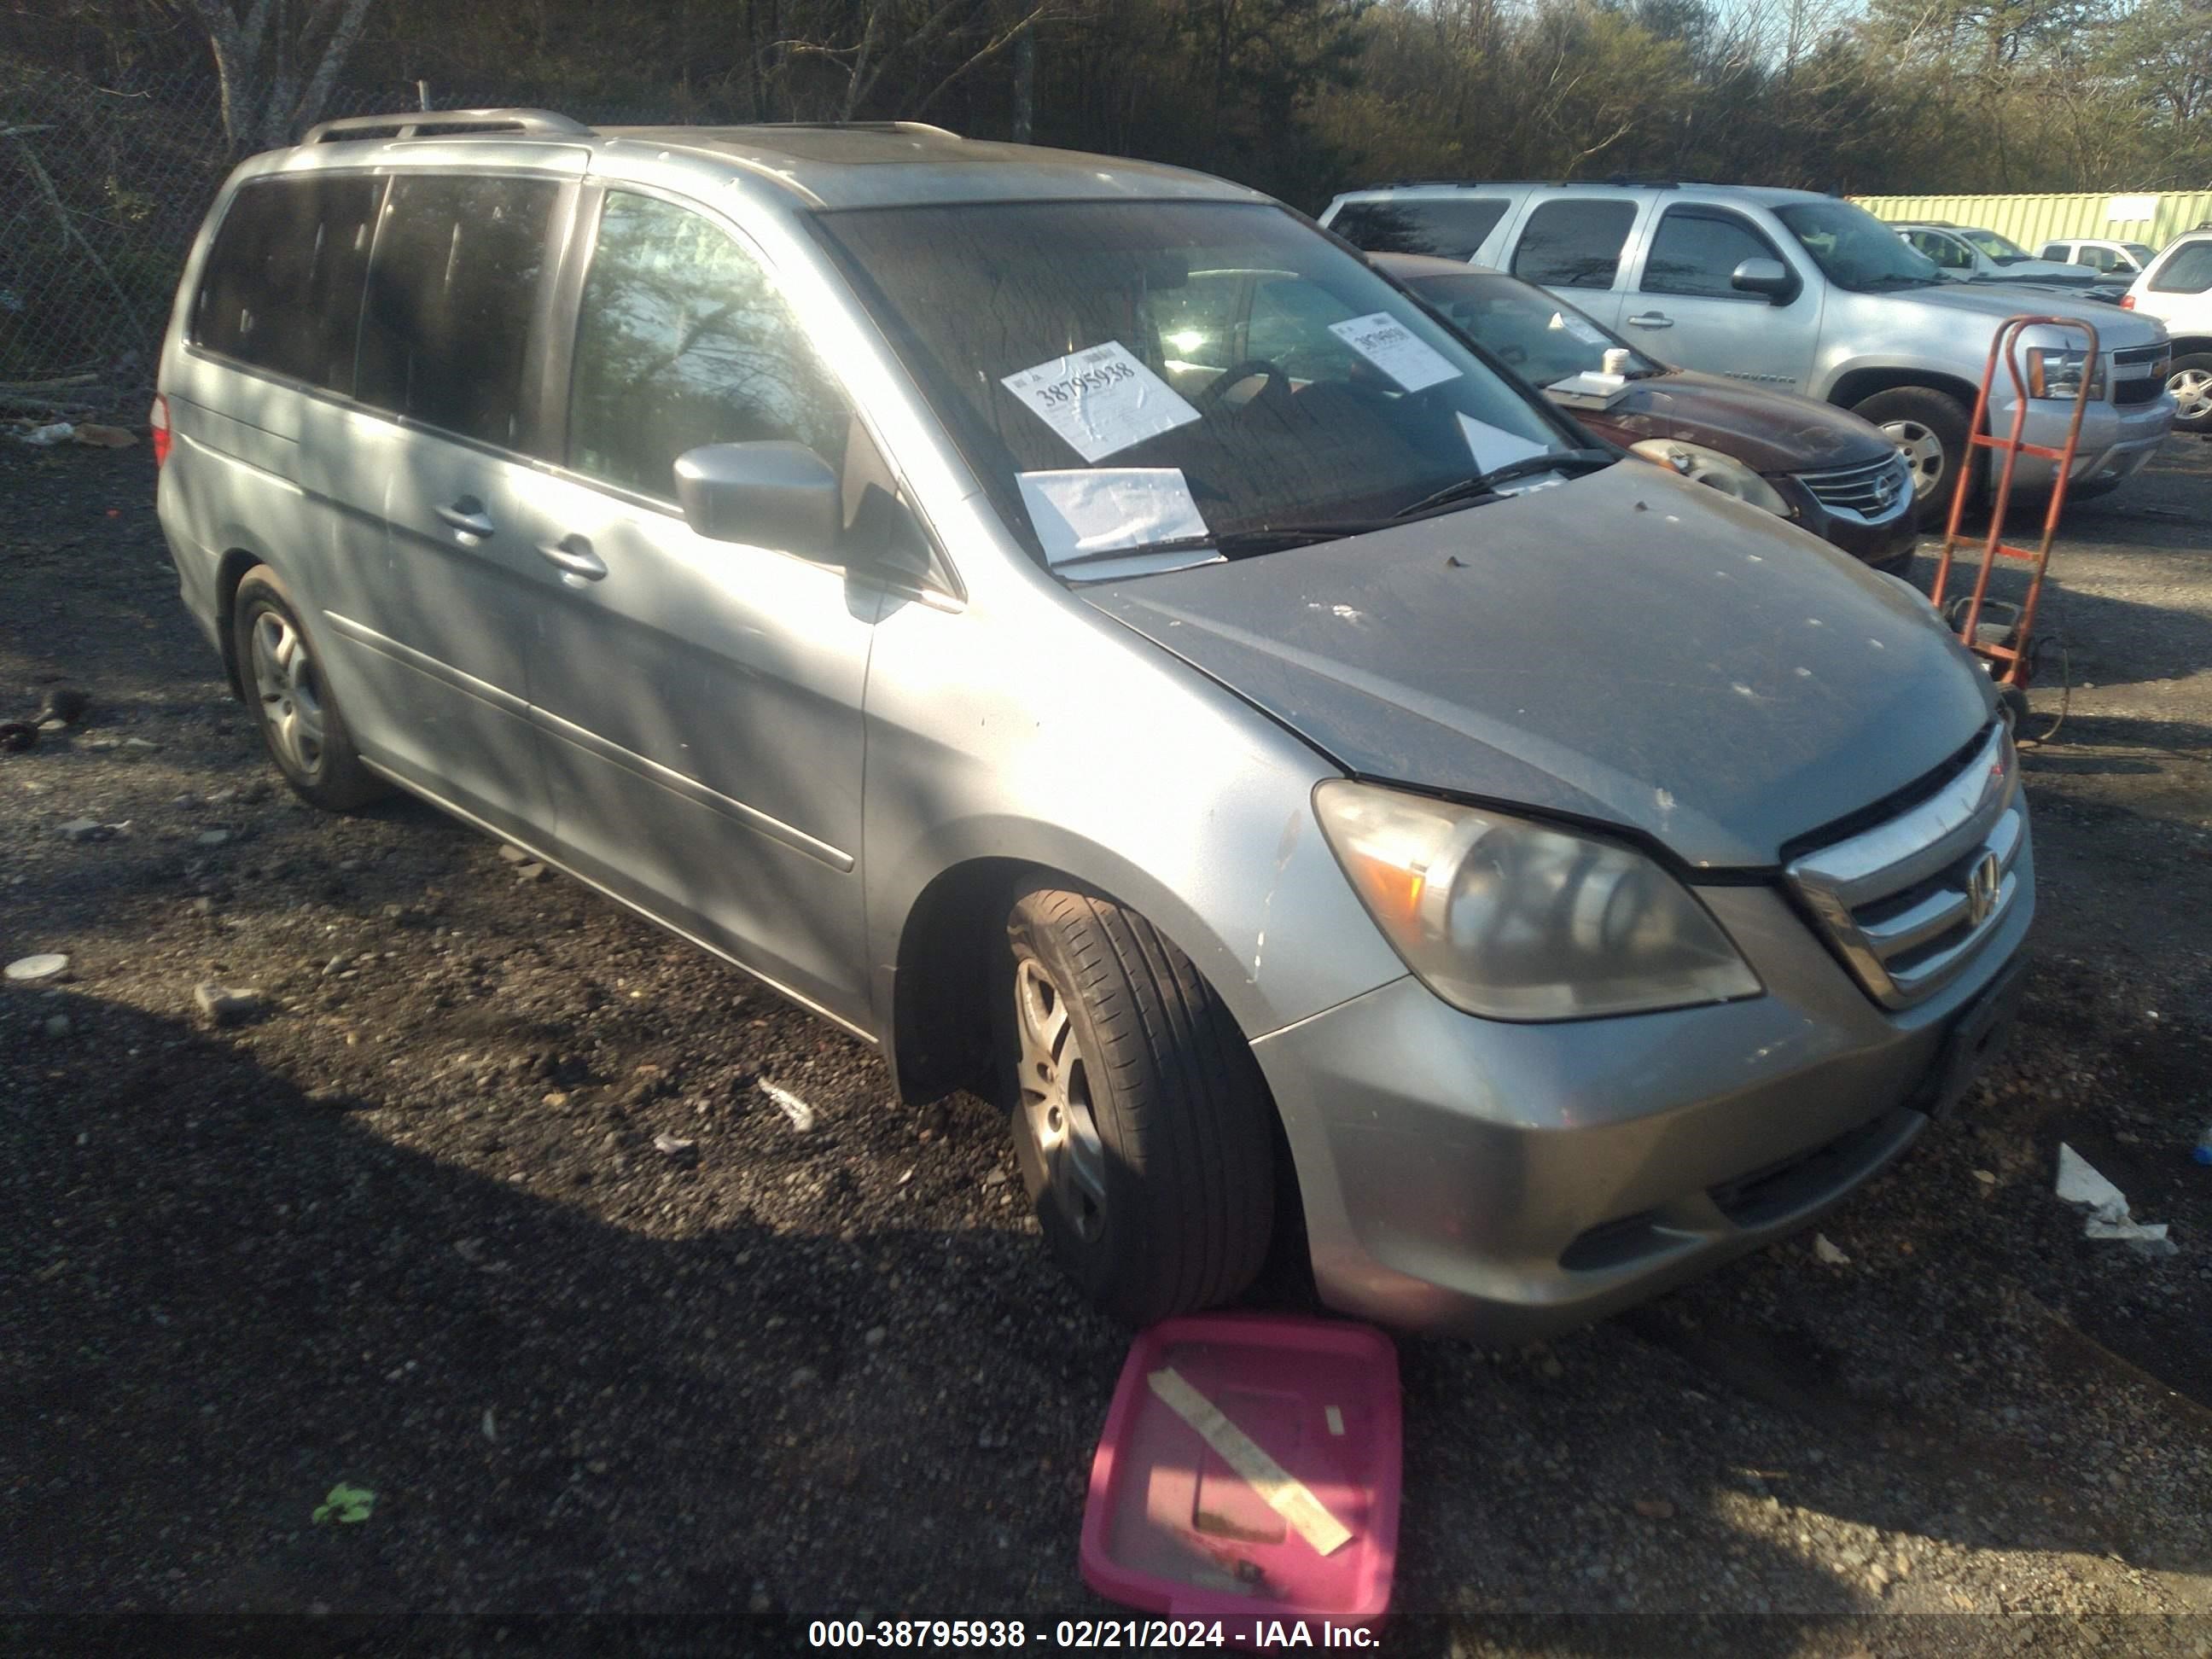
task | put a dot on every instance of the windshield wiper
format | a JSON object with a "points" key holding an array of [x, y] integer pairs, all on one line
{"points": [[1557, 460], [1231, 543]]}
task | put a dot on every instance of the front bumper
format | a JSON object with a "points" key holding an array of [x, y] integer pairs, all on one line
{"points": [[1885, 543], [1507, 1182], [2117, 441]]}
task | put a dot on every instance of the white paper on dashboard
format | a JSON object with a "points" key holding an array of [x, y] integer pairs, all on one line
{"points": [[1587, 332], [1101, 399], [1100, 509], [1395, 349], [1493, 447]]}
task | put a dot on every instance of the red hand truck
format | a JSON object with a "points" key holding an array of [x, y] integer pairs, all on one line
{"points": [[2007, 648]]}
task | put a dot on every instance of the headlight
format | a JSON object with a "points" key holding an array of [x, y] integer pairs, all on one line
{"points": [[2055, 372], [1513, 919], [1709, 466]]}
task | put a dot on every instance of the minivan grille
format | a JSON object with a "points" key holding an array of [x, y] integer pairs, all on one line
{"points": [[1873, 489], [1910, 902]]}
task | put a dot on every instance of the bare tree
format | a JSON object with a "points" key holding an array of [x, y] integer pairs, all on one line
{"points": [[276, 61]]}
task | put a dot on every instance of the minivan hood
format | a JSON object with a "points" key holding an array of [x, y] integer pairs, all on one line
{"points": [[1769, 431], [1631, 648]]}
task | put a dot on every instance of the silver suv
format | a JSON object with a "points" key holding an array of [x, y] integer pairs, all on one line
{"points": [[1790, 289], [1333, 805]]}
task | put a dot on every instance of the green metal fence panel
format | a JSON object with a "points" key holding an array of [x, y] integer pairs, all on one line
{"points": [[2152, 216]]}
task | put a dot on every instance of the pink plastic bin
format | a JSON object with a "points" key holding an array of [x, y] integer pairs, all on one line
{"points": [[1171, 1529]]}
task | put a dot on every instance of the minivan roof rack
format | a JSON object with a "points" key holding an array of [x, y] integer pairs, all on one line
{"points": [[444, 123]]}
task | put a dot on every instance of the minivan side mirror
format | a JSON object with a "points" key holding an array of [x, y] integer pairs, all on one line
{"points": [[1768, 277], [775, 495]]}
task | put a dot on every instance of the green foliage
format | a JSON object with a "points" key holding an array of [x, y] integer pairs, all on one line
{"points": [[347, 1505]]}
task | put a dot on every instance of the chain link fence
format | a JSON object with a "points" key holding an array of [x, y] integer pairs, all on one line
{"points": [[101, 191]]}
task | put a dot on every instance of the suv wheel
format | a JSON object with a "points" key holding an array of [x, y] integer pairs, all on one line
{"points": [[298, 717], [1929, 428], [1139, 1118], [2191, 383]]}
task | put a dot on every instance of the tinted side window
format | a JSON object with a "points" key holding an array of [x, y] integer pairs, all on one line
{"points": [[1697, 249], [1573, 244], [283, 286], [2064, 252], [683, 340], [1448, 229], [445, 333], [2189, 271]]}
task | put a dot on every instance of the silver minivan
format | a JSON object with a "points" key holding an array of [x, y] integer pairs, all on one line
{"points": [[1339, 808]]}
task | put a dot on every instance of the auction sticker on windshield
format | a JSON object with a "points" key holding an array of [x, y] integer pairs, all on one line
{"points": [[1391, 347], [1097, 510], [1101, 400], [1585, 331]]}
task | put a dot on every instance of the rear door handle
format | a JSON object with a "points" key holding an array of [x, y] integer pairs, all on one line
{"points": [[467, 515], [575, 557], [1652, 319]]}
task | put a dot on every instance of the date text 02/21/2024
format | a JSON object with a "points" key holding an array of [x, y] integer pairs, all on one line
{"points": [[1139, 1634]]}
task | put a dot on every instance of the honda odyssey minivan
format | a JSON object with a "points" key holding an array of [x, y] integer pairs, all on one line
{"points": [[1336, 806]]}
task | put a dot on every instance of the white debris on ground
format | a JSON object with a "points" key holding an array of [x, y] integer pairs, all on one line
{"points": [[2080, 1181], [800, 1114]]}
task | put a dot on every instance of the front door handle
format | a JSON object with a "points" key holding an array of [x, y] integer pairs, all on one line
{"points": [[1652, 319], [466, 515], [574, 554]]}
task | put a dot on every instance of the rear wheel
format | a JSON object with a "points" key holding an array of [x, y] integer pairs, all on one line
{"points": [[2190, 381], [1929, 428], [299, 719], [1140, 1120]]}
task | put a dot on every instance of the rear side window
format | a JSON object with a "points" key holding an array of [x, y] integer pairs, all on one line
{"points": [[446, 333], [1446, 228], [2062, 251], [1697, 249], [282, 286], [683, 340], [2189, 271], [1574, 244]]}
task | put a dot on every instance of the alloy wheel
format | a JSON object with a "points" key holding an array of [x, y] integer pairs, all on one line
{"points": [[1055, 1091], [1922, 451], [284, 680], [2193, 394]]}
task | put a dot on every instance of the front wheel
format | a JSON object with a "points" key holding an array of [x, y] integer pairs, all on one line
{"points": [[2190, 381], [1929, 428], [1140, 1120]]}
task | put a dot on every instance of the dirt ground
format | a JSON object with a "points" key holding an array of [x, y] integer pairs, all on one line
{"points": [[409, 1230]]}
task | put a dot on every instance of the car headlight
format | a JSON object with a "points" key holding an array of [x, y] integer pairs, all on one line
{"points": [[1709, 466], [2055, 372], [1514, 920]]}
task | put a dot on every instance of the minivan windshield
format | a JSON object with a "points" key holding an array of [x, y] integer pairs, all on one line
{"points": [[1854, 249], [1149, 372]]}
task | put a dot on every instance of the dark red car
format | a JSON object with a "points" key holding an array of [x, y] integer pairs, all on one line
{"points": [[1815, 465]]}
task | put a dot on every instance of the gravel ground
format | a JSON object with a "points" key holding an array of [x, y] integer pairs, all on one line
{"points": [[409, 1225]]}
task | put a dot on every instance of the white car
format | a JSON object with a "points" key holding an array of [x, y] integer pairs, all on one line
{"points": [[2125, 259], [2177, 289], [1966, 253]]}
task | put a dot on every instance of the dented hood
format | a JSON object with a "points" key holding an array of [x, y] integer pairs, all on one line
{"points": [[1629, 648]]}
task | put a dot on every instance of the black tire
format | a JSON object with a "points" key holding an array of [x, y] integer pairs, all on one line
{"points": [[283, 685], [1176, 1207], [2196, 363], [2012, 708], [1909, 414]]}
